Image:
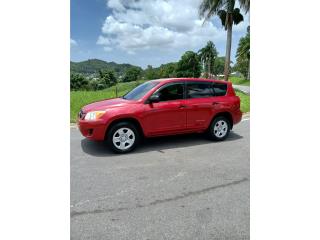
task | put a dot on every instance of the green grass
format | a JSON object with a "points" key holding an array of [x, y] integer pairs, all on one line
{"points": [[239, 81], [244, 101], [78, 99]]}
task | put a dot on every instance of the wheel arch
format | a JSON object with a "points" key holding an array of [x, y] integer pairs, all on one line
{"points": [[125, 119], [227, 115]]}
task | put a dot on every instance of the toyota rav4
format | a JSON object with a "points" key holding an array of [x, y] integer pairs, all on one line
{"points": [[162, 107]]}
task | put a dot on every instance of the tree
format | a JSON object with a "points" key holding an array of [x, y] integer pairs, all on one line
{"points": [[78, 82], [132, 74], [107, 77], [207, 56], [228, 15], [243, 55], [168, 70], [219, 66], [189, 65], [150, 73]]}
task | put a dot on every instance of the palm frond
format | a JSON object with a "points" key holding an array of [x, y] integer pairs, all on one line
{"points": [[245, 5], [229, 5], [208, 8], [244, 47]]}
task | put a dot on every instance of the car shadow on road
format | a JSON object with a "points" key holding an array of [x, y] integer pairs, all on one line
{"points": [[100, 149]]}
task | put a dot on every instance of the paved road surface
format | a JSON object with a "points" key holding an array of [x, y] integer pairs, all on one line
{"points": [[244, 89], [181, 187]]}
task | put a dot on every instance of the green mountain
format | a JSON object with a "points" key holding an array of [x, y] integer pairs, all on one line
{"points": [[92, 67]]}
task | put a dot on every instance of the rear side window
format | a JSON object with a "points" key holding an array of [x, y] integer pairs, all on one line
{"points": [[199, 90], [220, 89]]}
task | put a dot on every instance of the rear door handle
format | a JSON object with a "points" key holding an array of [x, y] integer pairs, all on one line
{"points": [[182, 106]]}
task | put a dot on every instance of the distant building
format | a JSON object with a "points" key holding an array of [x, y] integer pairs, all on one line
{"points": [[236, 74]]}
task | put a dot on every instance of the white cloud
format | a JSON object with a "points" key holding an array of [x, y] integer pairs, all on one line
{"points": [[103, 41], [157, 24], [73, 42]]}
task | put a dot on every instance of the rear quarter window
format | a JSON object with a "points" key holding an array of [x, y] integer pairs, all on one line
{"points": [[199, 90], [220, 89]]}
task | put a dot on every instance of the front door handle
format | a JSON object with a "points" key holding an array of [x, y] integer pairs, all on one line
{"points": [[216, 103], [182, 106]]}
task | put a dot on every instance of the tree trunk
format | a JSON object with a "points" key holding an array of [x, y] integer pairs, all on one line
{"points": [[209, 69], [228, 50]]}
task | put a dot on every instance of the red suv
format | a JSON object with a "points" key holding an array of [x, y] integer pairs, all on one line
{"points": [[162, 107]]}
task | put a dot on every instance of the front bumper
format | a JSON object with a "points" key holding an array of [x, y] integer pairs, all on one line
{"points": [[93, 130]]}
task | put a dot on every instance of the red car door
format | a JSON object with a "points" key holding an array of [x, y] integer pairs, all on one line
{"points": [[199, 104], [169, 114]]}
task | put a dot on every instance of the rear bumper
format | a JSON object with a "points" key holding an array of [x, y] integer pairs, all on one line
{"points": [[93, 130], [237, 116]]}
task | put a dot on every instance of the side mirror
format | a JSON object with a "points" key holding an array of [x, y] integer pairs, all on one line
{"points": [[154, 99]]}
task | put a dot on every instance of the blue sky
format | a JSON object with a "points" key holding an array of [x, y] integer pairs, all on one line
{"points": [[145, 32]]}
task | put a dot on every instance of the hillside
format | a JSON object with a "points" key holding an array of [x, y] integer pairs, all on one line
{"points": [[92, 66]]}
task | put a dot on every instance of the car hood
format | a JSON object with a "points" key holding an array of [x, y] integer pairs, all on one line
{"points": [[107, 104]]}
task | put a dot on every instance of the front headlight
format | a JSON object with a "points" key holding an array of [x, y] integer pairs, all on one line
{"points": [[94, 115]]}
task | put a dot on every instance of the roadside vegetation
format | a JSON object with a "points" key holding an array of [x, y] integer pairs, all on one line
{"points": [[244, 101], [239, 81]]}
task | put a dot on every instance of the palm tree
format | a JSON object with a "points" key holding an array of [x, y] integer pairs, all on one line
{"points": [[208, 55], [228, 15]]}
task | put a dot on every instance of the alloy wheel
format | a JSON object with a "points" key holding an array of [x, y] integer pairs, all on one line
{"points": [[123, 138]]}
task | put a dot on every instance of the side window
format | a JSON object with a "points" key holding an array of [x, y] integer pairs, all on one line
{"points": [[171, 92], [220, 89], [199, 90]]}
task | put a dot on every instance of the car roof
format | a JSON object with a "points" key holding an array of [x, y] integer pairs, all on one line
{"points": [[166, 80]]}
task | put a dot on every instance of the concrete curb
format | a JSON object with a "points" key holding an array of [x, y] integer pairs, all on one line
{"points": [[246, 115]]}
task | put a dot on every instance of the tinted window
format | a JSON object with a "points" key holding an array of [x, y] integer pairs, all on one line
{"points": [[140, 91], [220, 89], [171, 92], [199, 90]]}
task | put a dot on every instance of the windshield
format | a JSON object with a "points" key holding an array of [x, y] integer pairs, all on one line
{"points": [[140, 91]]}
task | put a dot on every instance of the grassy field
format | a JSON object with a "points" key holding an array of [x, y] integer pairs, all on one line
{"points": [[239, 81], [244, 101], [80, 98]]}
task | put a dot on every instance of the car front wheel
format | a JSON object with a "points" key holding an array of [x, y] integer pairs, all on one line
{"points": [[219, 128], [123, 137]]}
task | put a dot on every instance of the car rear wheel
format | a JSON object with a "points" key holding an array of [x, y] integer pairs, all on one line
{"points": [[219, 128], [123, 137]]}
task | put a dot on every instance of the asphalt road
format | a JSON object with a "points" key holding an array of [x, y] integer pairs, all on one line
{"points": [[244, 89], [181, 187]]}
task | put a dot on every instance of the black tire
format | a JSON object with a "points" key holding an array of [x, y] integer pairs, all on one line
{"points": [[122, 125], [222, 123]]}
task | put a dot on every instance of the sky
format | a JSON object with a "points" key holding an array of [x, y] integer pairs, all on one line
{"points": [[144, 32]]}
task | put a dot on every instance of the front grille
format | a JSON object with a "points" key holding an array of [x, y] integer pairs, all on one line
{"points": [[81, 114]]}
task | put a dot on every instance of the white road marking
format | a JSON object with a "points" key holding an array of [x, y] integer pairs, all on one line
{"points": [[245, 119]]}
